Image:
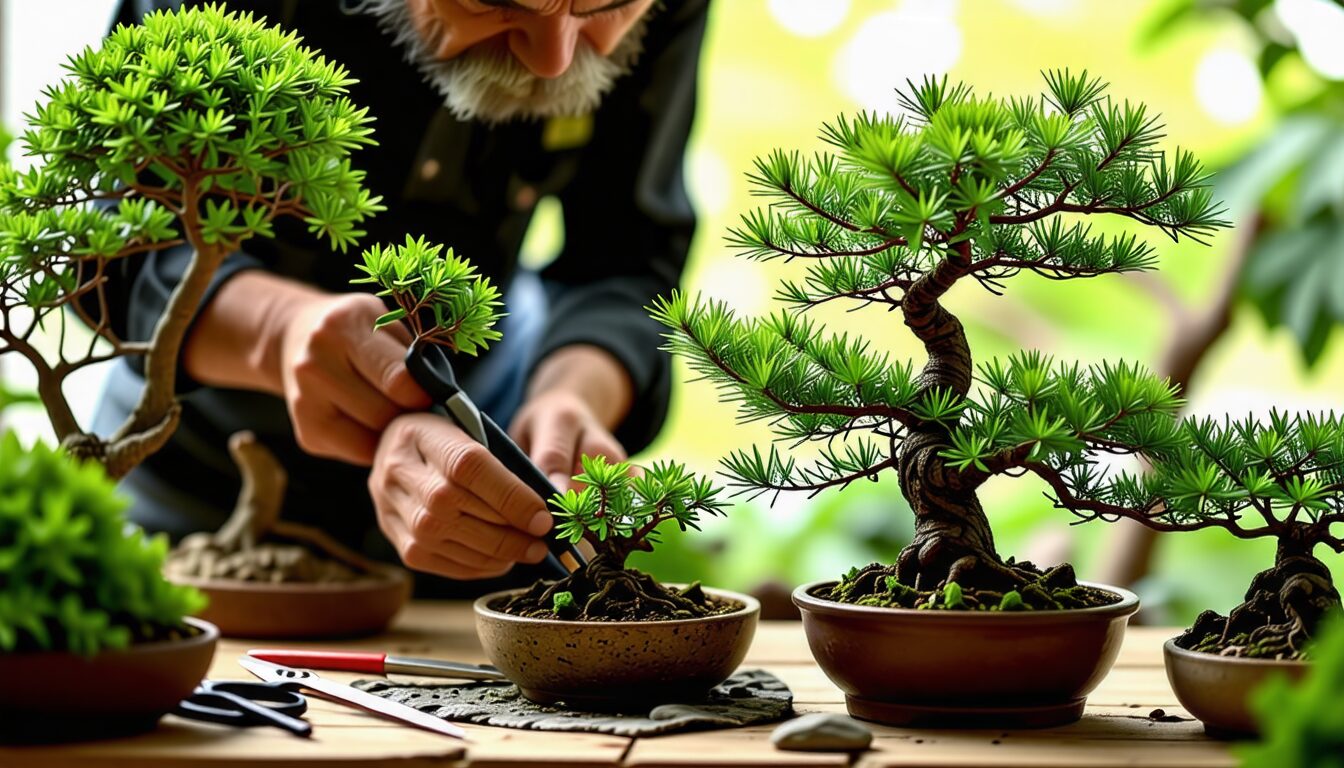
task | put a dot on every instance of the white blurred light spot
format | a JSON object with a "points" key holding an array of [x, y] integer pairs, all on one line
{"points": [[1227, 86], [1318, 26], [809, 18], [709, 180], [921, 38]]}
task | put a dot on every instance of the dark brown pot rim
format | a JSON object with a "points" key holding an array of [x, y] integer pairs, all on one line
{"points": [[749, 606], [1125, 606], [379, 579], [206, 634], [1204, 657]]}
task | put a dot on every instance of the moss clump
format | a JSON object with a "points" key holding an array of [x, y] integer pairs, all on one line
{"points": [[73, 575]]}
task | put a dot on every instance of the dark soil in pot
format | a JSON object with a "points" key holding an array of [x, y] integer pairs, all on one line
{"points": [[53, 696], [972, 667], [615, 665], [602, 592]]}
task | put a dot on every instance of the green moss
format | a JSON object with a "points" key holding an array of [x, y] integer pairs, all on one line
{"points": [[73, 575]]}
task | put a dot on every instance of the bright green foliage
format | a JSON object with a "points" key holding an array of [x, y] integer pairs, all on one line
{"points": [[202, 127], [1031, 410], [1302, 725], [619, 511], [1251, 476], [439, 295], [71, 575], [898, 211], [204, 113]]}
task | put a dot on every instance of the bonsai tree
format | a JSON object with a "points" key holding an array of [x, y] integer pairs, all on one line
{"points": [[1282, 478], [441, 299], [71, 577], [201, 128], [901, 210], [619, 513]]}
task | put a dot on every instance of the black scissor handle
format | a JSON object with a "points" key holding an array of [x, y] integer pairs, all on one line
{"points": [[243, 704]]}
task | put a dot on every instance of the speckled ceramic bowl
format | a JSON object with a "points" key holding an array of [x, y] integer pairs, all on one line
{"points": [[617, 665]]}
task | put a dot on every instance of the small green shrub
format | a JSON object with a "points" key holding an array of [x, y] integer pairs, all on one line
{"points": [[73, 574]]}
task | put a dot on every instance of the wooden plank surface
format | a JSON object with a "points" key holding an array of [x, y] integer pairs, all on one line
{"points": [[1116, 730]]}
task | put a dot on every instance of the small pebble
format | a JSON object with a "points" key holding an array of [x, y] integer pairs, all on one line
{"points": [[822, 732]]}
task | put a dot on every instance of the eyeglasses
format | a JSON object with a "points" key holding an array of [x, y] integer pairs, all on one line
{"points": [[580, 7]]}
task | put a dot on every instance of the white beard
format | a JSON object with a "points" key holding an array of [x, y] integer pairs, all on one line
{"points": [[487, 82]]}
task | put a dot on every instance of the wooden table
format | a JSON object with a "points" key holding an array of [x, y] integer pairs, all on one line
{"points": [[1116, 731]]}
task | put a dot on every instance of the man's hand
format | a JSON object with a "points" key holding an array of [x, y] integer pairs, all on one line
{"points": [[448, 506], [575, 399], [344, 383]]}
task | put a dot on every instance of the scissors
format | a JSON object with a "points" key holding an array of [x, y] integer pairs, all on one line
{"points": [[433, 371], [244, 703]]}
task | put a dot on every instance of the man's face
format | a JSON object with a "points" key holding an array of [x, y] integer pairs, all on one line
{"points": [[495, 60], [543, 35]]}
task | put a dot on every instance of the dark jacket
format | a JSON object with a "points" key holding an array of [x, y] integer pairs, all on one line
{"points": [[628, 225]]}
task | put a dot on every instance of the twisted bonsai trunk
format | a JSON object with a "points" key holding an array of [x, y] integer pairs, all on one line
{"points": [[1282, 609]]}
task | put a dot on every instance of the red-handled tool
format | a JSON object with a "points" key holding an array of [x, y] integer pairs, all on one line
{"points": [[377, 664]]}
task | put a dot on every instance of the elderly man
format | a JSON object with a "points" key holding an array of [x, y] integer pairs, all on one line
{"points": [[483, 108]]}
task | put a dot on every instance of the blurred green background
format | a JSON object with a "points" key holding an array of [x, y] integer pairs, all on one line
{"points": [[1247, 84]]}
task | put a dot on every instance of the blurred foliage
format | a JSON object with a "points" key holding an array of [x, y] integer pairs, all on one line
{"points": [[73, 575], [1302, 725], [1292, 180]]}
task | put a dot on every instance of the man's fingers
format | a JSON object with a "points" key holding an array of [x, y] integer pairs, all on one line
{"points": [[598, 442], [467, 463], [380, 360], [498, 541], [470, 558], [428, 558]]}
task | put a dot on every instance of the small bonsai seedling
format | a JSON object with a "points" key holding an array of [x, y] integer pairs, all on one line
{"points": [[71, 577], [619, 513], [904, 209], [441, 299], [202, 127]]}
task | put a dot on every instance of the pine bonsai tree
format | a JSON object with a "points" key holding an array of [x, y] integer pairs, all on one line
{"points": [[619, 512], [896, 214], [202, 127]]}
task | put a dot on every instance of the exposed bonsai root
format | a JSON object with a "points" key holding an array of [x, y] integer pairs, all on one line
{"points": [[254, 544], [601, 592], [1030, 589], [1281, 612]]}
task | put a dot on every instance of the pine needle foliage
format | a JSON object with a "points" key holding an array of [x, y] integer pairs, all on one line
{"points": [[71, 577], [439, 295], [619, 511], [896, 211]]}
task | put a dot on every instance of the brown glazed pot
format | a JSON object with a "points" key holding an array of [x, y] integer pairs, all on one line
{"points": [[58, 696], [297, 610], [964, 669], [1217, 689], [616, 665]]}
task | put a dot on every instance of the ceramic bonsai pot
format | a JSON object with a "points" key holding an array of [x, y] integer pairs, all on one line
{"points": [[954, 669], [303, 610], [616, 665], [1217, 689], [48, 695]]}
